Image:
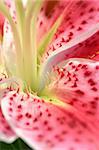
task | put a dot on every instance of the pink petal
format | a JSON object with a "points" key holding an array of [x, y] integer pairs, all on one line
{"points": [[77, 83], [88, 48], [6, 133], [1, 26], [8, 36], [80, 18], [84, 46], [48, 15], [45, 126]]}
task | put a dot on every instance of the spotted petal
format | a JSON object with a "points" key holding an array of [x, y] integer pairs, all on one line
{"points": [[6, 133], [86, 49], [77, 84], [45, 126], [84, 43], [81, 17]]}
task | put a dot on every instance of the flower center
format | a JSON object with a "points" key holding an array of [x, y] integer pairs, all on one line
{"points": [[27, 65]]}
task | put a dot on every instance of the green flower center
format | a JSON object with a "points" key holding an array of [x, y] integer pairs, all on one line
{"points": [[28, 66]]}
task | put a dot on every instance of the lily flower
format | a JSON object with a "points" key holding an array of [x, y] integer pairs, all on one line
{"points": [[49, 85]]}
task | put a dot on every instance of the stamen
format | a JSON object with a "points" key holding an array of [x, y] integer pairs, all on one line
{"points": [[34, 40], [29, 40], [25, 40], [24, 33], [6, 13], [20, 17]]}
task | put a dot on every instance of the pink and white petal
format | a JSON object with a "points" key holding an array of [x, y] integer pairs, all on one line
{"points": [[45, 126], [49, 12], [81, 17], [77, 84], [6, 133], [8, 36], [86, 49], [79, 47]]}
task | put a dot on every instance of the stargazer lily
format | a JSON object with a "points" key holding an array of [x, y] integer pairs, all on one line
{"points": [[49, 85]]}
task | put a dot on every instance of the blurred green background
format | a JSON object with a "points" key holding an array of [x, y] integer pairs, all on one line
{"points": [[17, 145]]}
